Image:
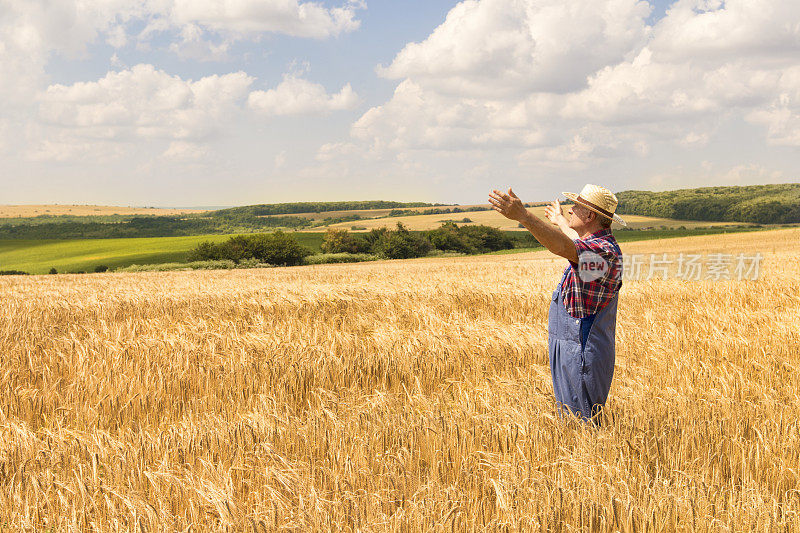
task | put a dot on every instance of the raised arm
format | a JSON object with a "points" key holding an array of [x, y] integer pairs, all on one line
{"points": [[510, 206], [555, 214]]}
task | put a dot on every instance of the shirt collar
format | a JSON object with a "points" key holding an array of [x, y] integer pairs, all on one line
{"points": [[603, 232]]}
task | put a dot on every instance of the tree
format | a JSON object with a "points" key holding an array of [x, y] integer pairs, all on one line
{"points": [[486, 238], [448, 237], [401, 244], [277, 248], [205, 251], [341, 241]]}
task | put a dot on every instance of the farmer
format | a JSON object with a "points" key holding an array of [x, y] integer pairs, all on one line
{"points": [[583, 311]]}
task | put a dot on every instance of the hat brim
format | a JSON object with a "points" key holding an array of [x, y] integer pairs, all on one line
{"points": [[574, 197]]}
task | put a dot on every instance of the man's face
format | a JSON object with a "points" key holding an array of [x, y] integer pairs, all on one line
{"points": [[578, 217]]}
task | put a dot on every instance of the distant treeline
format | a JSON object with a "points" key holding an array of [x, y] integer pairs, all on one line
{"points": [[60, 219], [150, 226], [246, 219], [312, 207], [760, 204]]}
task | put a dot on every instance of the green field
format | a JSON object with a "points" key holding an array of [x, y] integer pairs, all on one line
{"points": [[39, 256]]}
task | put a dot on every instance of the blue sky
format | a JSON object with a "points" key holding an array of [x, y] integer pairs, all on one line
{"points": [[172, 102]]}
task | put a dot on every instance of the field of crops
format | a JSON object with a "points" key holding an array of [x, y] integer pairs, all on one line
{"points": [[11, 211], [401, 396], [495, 219], [39, 256]]}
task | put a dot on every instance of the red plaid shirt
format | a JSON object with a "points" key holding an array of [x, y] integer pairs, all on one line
{"points": [[592, 282]]}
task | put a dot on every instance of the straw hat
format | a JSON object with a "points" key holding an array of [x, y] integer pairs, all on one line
{"points": [[598, 199]]}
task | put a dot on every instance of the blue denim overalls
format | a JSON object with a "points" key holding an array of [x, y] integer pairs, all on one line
{"points": [[581, 375]]}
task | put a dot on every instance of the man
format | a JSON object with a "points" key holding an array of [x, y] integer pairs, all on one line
{"points": [[583, 310]]}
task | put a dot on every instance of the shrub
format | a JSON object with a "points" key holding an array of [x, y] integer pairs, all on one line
{"points": [[194, 265], [319, 259], [53, 271], [13, 273], [374, 236], [449, 237], [469, 239], [100, 268], [486, 239], [400, 244], [341, 241], [205, 251], [223, 264], [236, 248], [277, 248]]}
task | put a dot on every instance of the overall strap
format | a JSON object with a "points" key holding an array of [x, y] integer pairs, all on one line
{"points": [[563, 277]]}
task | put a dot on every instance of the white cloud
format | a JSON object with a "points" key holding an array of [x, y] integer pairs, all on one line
{"points": [[722, 31], [420, 118], [185, 151], [497, 48], [332, 151], [300, 19], [569, 83], [143, 102], [694, 139], [295, 96], [194, 44], [32, 31], [782, 115], [707, 174]]}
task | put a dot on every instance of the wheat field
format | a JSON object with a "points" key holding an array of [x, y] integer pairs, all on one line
{"points": [[31, 210], [496, 220], [397, 396]]}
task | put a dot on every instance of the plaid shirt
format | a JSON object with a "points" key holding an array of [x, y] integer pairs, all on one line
{"points": [[591, 283]]}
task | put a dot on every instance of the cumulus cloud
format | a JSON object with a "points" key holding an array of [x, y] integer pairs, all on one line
{"points": [[300, 19], [185, 151], [332, 151], [295, 96], [144, 102], [569, 83], [721, 31], [492, 48], [33, 30], [104, 118]]}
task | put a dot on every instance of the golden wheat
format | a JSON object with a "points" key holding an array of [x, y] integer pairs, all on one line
{"points": [[398, 396], [31, 210]]}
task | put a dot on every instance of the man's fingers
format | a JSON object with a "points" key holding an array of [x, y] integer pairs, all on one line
{"points": [[496, 202], [499, 198], [511, 193]]}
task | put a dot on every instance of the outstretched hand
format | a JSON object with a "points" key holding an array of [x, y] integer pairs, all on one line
{"points": [[555, 214], [509, 205]]}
